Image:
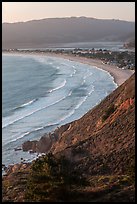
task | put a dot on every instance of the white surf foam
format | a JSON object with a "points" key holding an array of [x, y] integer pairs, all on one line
{"points": [[59, 87]]}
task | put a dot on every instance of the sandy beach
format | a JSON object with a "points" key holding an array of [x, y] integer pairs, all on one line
{"points": [[119, 75]]}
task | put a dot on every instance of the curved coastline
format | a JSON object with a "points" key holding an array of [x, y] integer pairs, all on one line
{"points": [[119, 75]]}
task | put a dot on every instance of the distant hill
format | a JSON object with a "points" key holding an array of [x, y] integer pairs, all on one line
{"points": [[53, 31]]}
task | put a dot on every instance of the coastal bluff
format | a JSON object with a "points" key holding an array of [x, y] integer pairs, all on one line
{"points": [[101, 145], [102, 139]]}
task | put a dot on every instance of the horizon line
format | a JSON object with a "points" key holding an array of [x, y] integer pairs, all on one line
{"points": [[68, 17]]}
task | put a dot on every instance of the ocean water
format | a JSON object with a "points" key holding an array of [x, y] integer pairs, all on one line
{"points": [[109, 45], [41, 93]]}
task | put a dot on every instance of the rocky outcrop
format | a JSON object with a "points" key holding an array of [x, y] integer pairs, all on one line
{"points": [[46, 142], [102, 148], [29, 145], [14, 182], [104, 144]]}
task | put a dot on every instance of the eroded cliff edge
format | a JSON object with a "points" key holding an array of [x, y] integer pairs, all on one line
{"points": [[101, 144]]}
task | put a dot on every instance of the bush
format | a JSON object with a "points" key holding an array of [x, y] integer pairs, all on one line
{"points": [[52, 179], [108, 112]]}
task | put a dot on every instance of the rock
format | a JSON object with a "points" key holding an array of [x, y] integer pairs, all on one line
{"points": [[4, 167], [44, 144], [31, 151], [29, 145], [17, 148]]}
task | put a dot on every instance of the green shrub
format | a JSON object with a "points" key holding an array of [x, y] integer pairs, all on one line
{"points": [[52, 179]]}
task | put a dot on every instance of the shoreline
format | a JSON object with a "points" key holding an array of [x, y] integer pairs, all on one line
{"points": [[119, 75]]}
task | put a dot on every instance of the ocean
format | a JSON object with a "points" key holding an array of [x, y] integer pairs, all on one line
{"points": [[41, 93], [108, 45]]}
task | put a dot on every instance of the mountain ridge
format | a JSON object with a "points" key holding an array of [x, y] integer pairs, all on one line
{"points": [[72, 17], [51, 31]]}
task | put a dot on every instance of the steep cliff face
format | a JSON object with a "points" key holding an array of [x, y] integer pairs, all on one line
{"points": [[101, 145], [103, 140]]}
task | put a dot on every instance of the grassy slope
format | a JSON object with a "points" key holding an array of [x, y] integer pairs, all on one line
{"points": [[102, 149]]}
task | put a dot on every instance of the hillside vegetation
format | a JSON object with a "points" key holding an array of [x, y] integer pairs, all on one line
{"points": [[92, 160]]}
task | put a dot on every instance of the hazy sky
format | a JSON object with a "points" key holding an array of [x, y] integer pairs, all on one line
{"points": [[24, 11]]}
